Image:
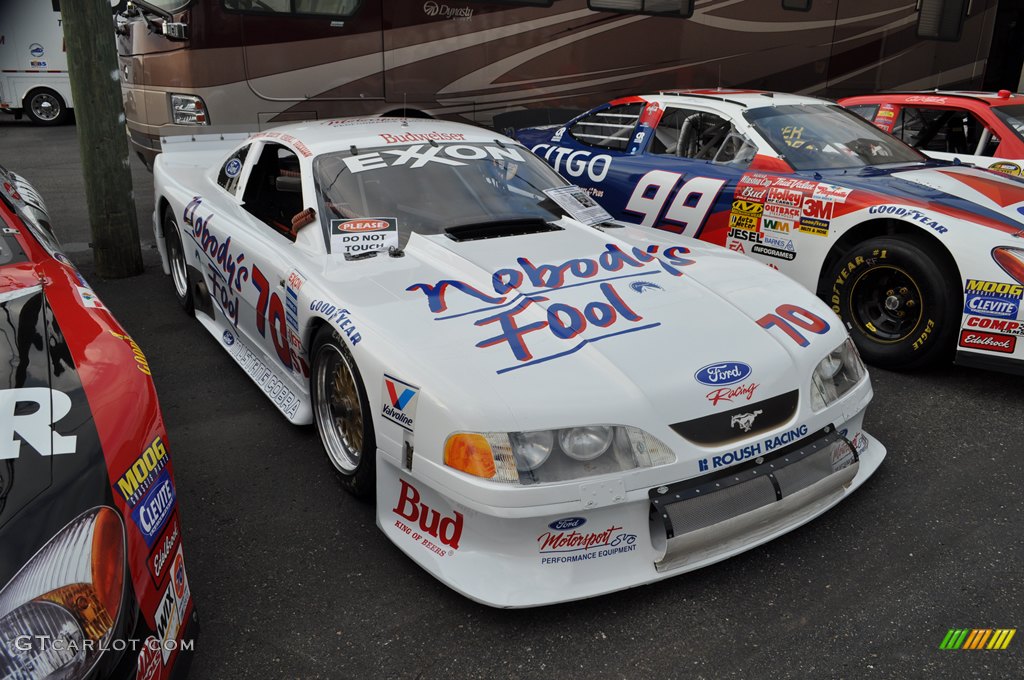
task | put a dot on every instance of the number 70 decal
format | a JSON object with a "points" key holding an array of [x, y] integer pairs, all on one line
{"points": [[788, 318]]}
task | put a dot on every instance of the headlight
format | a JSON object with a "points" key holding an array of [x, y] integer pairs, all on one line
{"points": [[69, 595], [836, 375], [541, 456], [188, 109], [1011, 259]]}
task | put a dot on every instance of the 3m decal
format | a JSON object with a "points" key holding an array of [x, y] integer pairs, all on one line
{"points": [[512, 296], [143, 473], [400, 400], [992, 342], [27, 414], [420, 155], [788, 318], [688, 209], [428, 524]]}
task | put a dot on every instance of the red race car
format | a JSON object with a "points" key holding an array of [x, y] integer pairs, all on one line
{"points": [[92, 573], [982, 128]]}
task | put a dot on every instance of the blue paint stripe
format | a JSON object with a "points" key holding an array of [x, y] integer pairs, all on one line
{"points": [[577, 347]]}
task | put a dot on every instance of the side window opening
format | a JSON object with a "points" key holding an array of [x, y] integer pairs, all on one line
{"points": [[701, 136], [945, 130], [273, 193], [865, 111], [610, 128], [231, 172]]}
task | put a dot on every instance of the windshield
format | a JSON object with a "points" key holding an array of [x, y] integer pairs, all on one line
{"points": [[428, 188], [821, 137], [1013, 116]]}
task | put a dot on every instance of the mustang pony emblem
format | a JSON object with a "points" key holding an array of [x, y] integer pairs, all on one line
{"points": [[745, 420]]}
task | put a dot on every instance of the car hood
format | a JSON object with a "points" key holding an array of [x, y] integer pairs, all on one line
{"points": [[592, 317], [51, 456]]}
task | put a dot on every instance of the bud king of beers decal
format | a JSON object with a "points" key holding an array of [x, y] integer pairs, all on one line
{"points": [[367, 235]]}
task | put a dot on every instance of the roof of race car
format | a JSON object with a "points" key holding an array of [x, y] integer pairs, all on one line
{"points": [[1000, 98], [324, 136], [750, 99]]}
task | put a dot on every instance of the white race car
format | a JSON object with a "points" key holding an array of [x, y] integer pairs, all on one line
{"points": [[546, 405]]}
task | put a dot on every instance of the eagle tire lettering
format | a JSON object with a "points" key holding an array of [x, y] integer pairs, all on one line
{"points": [[897, 299]]}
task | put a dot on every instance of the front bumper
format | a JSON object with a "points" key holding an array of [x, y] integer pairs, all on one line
{"points": [[564, 551]]}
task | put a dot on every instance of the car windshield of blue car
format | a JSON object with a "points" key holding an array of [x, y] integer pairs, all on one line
{"points": [[429, 188], [1013, 116], [819, 137]]}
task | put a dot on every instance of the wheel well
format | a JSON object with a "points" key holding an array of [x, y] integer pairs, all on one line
{"points": [[884, 227], [162, 207], [42, 88], [315, 324], [405, 113]]}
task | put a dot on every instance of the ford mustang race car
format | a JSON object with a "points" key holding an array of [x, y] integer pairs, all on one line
{"points": [[917, 257], [545, 405], [92, 573], [985, 129]]}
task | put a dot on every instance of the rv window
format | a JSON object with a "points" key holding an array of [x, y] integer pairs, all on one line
{"points": [[610, 128], [535, 3], [334, 8], [798, 5], [940, 19], [672, 8]]}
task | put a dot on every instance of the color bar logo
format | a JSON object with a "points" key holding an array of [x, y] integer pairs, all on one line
{"points": [[978, 638]]}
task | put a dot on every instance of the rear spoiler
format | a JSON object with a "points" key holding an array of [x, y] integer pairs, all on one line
{"points": [[207, 142]]}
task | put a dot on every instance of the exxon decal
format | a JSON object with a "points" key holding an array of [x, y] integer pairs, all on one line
{"points": [[723, 373]]}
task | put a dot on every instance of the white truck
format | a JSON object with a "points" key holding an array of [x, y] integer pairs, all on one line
{"points": [[33, 62]]}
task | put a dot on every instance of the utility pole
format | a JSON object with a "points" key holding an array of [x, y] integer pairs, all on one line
{"points": [[99, 111]]}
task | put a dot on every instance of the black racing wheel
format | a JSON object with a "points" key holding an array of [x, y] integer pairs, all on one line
{"points": [[901, 307]]}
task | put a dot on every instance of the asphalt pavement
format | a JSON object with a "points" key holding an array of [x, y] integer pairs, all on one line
{"points": [[292, 579]]}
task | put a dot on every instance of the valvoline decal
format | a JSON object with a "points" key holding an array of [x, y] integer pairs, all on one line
{"points": [[723, 373]]}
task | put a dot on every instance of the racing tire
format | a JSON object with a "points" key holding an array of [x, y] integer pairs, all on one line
{"points": [[900, 308], [177, 263], [43, 106], [342, 414]]}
